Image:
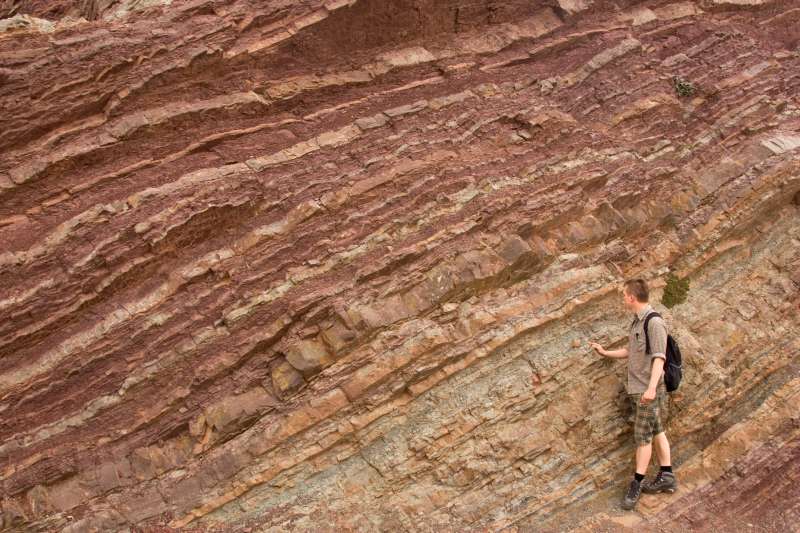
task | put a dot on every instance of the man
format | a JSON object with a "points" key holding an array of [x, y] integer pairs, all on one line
{"points": [[647, 392]]}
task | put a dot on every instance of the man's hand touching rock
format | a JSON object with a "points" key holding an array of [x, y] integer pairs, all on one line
{"points": [[599, 349]]}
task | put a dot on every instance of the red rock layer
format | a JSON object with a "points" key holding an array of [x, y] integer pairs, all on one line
{"points": [[335, 264]]}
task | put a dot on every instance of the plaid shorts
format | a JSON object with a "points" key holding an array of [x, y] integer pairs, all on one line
{"points": [[649, 419]]}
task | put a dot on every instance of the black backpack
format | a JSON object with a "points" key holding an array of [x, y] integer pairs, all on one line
{"points": [[672, 367]]}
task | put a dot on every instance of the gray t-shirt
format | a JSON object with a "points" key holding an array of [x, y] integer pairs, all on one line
{"points": [[639, 364]]}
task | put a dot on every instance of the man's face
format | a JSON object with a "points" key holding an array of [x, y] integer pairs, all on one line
{"points": [[627, 299]]}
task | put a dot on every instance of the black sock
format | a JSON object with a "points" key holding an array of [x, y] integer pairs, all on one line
{"points": [[666, 468], [639, 477]]}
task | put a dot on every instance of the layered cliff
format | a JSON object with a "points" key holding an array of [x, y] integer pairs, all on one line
{"points": [[333, 265]]}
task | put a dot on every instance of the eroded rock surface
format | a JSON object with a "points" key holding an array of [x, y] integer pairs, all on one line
{"points": [[334, 265]]}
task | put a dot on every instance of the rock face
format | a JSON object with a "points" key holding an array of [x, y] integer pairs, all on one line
{"points": [[333, 265], [72, 9]]}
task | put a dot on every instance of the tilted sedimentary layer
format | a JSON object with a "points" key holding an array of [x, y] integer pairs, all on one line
{"points": [[68, 11], [331, 265]]}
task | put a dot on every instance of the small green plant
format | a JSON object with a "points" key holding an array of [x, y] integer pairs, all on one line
{"points": [[675, 290], [683, 87]]}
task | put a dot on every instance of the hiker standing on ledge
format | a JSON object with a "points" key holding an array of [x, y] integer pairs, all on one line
{"points": [[646, 390]]}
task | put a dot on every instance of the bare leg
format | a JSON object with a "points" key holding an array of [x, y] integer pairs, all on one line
{"points": [[643, 454], [662, 449]]}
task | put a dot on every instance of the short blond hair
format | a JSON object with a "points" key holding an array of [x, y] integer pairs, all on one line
{"points": [[638, 289]]}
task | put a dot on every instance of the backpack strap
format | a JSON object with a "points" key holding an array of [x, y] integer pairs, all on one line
{"points": [[646, 337]]}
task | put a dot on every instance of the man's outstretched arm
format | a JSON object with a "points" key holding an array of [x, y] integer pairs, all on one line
{"points": [[621, 353]]}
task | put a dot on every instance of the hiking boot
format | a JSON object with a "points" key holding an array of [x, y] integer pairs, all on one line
{"points": [[663, 482], [630, 499]]}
